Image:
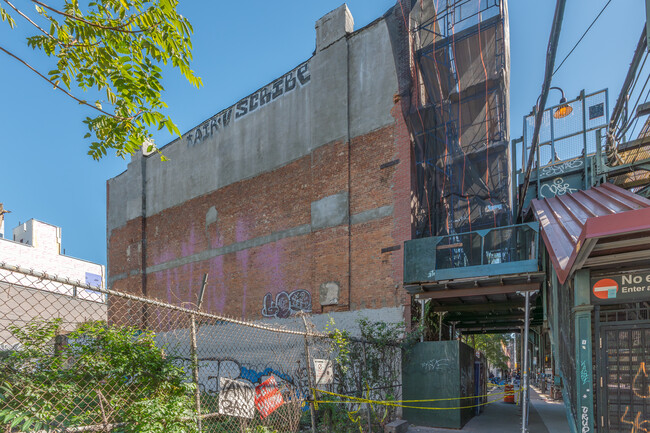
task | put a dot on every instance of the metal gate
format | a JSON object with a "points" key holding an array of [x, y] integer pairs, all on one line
{"points": [[624, 382]]}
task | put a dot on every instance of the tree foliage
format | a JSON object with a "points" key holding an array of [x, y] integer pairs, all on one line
{"points": [[492, 347], [103, 375], [117, 48]]}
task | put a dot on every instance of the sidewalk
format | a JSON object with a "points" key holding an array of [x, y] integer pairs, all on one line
{"points": [[546, 416]]}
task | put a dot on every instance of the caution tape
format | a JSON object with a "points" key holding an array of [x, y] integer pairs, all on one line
{"points": [[398, 403]]}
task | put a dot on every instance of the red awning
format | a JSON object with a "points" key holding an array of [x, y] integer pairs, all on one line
{"points": [[572, 224]]}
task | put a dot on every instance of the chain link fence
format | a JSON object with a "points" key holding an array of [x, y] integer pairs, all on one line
{"points": [[77, 358]]}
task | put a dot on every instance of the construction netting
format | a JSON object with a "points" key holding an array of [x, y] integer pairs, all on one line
{"points": [[457, 113], [80, 358]]}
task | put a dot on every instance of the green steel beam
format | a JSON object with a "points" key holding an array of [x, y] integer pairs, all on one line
{"points": [[483, 318], [492, 306], [584, 368], [505, 324]]}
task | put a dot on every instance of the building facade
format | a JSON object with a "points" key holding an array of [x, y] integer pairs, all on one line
{"points": [[297, 197], [35, 246]]}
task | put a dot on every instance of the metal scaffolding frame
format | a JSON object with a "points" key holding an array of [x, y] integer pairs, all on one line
{"points": [[459, 116]]}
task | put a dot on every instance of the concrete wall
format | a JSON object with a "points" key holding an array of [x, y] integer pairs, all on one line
{"points": [[298, 201], [19, 305], [237, 143]]}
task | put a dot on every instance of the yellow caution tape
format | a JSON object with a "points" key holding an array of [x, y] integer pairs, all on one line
{"points": [[414, 407], [397, 403], [364, 400]]}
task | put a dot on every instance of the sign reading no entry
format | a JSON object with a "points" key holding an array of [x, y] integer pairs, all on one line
{"points": [[632, 286]]}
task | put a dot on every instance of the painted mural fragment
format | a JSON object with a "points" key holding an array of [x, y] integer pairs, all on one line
{"points": [[285, 304]]}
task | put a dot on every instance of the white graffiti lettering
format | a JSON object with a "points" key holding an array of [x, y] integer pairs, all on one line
{"points": [[286, 304], [558, 187]]}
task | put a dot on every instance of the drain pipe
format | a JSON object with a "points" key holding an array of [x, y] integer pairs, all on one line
{"points": [[524, 368]]}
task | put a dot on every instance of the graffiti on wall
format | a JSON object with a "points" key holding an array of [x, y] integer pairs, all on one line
{"points": [[554, 170], [296, 78], [558, 187], [285, 304], [435, 365], [213, 370]]}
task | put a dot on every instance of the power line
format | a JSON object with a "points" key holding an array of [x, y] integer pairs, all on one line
{"points": [[583, 35]]}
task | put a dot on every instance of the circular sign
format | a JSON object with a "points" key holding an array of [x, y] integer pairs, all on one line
{"points": [[605, 288]]}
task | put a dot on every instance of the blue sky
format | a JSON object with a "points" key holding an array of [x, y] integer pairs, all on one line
{"points": [[238, 47]]}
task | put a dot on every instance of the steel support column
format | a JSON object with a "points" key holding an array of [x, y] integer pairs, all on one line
{"points": [[584, 371], [524, 368]]}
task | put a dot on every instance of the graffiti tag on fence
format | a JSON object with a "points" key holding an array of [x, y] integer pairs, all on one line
{"points": [[641, 389], [236, 398], [638, 425], [585, 419]]}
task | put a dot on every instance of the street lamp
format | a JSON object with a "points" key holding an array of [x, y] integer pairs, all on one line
{"points": [[564, 109]]}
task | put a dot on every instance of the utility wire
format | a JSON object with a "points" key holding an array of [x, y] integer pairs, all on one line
{"points": [[583, 35], [637, 119], [626, 127]]}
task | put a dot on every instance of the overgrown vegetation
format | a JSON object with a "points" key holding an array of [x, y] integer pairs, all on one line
{"points": [[368, 367], [97, 375]]}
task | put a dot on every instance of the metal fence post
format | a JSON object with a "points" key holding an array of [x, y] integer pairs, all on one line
{"points": [[584, 139], [195, 357], [310, 378], [365, 367]]}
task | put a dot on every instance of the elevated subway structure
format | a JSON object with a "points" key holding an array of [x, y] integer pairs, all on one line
{"points": [[459, 115]]}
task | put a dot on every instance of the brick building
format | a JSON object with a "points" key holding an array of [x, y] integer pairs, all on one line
{"points": [[297, 197]]}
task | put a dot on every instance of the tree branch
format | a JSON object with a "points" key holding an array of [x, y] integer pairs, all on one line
{"points": [[56, 86], [29, 19], [47, 33], [90, 23]]}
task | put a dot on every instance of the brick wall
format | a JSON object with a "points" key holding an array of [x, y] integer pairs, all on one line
{"points": [[261, 242]]}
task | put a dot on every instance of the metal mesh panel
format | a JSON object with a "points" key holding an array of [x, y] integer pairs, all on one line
{"points": [[80, 358], [565, 138]]}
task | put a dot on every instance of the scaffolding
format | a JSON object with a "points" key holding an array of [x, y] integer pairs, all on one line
{"points": [[458, 115]]}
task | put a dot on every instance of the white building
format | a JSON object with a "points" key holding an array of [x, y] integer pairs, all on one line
{"points": [[36, 246]]}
